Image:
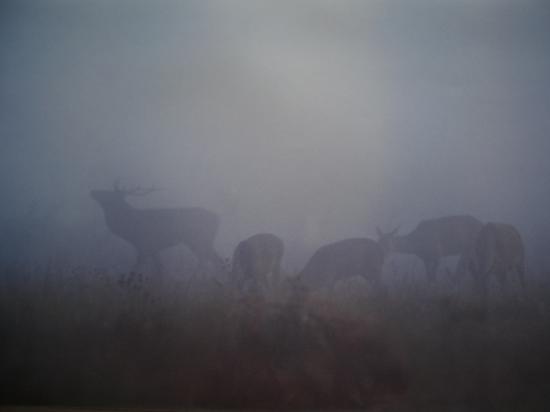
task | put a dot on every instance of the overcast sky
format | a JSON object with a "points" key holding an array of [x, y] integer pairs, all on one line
{"points": [[313, 119]]}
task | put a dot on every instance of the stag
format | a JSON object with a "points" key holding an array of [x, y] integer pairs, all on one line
{"points": [[150, 231], [346, 258], [498, 250], [257, 261], [434, 239]]}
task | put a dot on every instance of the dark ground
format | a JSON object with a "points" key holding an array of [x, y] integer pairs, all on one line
{"points": [[92, 338]]}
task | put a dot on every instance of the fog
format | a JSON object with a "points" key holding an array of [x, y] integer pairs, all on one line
{"points": [[315, 120]]}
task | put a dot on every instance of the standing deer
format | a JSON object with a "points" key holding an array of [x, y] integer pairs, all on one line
{"points": [[498, 250], [346, 258], [151, 231], [257, 261], [434, 239]]}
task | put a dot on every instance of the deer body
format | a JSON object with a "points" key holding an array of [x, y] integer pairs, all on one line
{"points": [[498, 250], [257, 261], [434, 239], [346, 258], [151, 231]]}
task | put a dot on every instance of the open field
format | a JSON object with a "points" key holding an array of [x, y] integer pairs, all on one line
{"points": [[94, 338]]}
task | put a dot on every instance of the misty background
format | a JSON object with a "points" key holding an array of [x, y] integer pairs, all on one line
{"points": [[314, 120]]}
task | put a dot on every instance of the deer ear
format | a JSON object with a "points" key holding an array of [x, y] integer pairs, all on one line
{"points": [[394, 232]]}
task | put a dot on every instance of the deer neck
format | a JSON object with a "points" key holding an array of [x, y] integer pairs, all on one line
{"points": [[117, 212], [403, 244]]}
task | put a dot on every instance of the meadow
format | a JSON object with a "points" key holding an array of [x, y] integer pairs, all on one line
{"points": [[96, 338]]}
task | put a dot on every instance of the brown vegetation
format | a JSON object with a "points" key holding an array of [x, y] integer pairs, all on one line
{"points": [[84, 337]]}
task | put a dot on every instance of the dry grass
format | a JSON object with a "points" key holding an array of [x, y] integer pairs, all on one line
{"points": [[94, 338]]}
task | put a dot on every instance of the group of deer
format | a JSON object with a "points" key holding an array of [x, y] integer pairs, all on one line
{"points": [[485, 250]]}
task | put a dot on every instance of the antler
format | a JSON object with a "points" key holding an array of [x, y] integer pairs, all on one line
{"points": [[135, 191], [140, 191], [116, 186], [394, 231], [390, 233]]}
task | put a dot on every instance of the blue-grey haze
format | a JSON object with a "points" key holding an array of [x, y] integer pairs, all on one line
{"points": [[315, 120]]}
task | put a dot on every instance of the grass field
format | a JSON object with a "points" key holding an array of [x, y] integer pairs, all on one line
{"points": [[91, 338]]}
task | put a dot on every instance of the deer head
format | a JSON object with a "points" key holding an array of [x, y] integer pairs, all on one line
{"points": [[386, 240], [118, 194]]}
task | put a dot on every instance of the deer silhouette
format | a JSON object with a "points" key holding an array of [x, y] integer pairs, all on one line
{"points": [[498, 251], [151, 231], [343, 259], [434, 239], [257, 262]]}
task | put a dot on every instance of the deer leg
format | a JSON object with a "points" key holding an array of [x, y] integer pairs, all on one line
{"points": [[248, 285], [262, 284], [201, 263], [141, 258], [375, 279], [332, 283], [251, 284], [500, 274], [431, 265], [461, 269], [201, 268], [241, 282], [482, 288], [520, 269], [205, 256], [135, 277], [218, 262], [157, 263], [276, 275]]}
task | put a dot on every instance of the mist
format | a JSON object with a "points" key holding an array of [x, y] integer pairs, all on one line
{"points": [[315, 120]]}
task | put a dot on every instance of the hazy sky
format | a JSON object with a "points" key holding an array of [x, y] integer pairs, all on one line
{"points": [[316, 119]]}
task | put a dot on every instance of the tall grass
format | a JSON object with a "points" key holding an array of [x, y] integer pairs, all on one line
{"points": [[81, 336]]}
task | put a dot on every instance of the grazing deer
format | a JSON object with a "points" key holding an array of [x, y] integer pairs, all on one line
{"points": [[150, 231], [257, 261], [434, 239], [498, 250], [346, 258]]}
